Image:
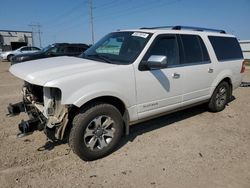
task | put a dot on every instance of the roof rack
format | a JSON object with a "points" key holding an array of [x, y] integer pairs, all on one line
{"points": [[178, 27], [198, 29], [160, 27]]}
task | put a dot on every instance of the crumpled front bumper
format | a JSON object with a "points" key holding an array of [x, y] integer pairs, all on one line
{"points": [[49, 115]]}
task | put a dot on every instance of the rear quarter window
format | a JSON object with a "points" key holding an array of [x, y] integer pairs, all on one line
{"points": [[226, 48]]}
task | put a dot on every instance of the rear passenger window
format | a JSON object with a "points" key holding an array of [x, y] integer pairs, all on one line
{"points": [[25, 49], [226, 48], [73, 50], [194, 50], [34, 48], [70, 49]]}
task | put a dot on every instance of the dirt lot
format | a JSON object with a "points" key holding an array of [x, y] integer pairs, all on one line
{"points": [[191, 148]]}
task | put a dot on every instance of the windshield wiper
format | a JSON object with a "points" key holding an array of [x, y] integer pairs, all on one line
{"points": [[101, 57]]}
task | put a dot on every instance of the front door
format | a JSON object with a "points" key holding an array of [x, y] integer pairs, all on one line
{"points": [[160, 90]]}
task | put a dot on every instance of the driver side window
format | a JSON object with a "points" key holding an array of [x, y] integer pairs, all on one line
{"points": [[165, 45], [57, 50]]}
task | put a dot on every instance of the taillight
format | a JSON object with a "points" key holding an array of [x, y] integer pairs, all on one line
{"points": [[243, 68]]}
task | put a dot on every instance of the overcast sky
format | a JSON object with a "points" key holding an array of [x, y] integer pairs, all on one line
{"points": [[68, 21]]}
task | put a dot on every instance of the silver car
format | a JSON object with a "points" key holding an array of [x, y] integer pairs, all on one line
{"points": [[25, 49]]}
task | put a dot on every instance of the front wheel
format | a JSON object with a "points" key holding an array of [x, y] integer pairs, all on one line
{"points": [[220, 97], [96, 131], [9, 57]]}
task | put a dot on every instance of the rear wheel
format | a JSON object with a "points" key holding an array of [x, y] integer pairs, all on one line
{"points": [[96, 131], [220, 97]]}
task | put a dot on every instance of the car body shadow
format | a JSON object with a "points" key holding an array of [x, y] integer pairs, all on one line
{"points": [[163, 121], [51, 144], [166, 120]]}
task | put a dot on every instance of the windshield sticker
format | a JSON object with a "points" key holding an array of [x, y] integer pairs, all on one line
{"points": [[143, 35]]}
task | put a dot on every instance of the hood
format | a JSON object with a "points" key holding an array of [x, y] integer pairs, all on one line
{"points": [[41, 71]]}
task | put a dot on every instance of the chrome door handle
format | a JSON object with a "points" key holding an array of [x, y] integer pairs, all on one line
{"points": [[210, 70], [176, 75]]}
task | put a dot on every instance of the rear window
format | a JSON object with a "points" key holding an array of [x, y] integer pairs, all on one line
{"points": [[226, 48], [194, 50]]}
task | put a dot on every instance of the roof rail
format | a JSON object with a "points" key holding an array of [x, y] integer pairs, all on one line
{"points": [[160, 27], [178, 27], [198, 29]]}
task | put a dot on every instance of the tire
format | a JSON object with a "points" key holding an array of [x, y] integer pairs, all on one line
{"points": [[90, 142], [9, 57], [220, 97]]}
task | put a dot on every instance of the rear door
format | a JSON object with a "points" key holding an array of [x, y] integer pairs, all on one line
{"points": [[198, 69], [72, 51], [34, 49]]}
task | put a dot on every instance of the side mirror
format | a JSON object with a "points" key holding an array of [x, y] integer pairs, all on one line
{"points": [[157, 62]]}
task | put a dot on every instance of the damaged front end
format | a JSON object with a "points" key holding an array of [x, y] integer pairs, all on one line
{"points": [[45, 111]]}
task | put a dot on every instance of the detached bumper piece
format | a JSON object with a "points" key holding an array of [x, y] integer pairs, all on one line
{"points": [[16, 109], [28, 127]]}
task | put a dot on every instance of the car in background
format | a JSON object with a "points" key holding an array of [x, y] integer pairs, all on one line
{"points": [[57, 49], [8, 55]]}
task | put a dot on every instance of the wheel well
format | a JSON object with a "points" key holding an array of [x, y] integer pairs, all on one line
{"points": [[228, 80], [106, 99], [110, 100]]}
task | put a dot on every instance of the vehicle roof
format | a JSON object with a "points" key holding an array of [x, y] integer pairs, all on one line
{"points": [[163, 31], [29, 46], [70, 44]]}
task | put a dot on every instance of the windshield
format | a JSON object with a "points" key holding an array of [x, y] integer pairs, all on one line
{"points": [[47, 48], [118, 47]]}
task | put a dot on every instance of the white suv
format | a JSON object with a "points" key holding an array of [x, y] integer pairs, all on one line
{"points": [[126, 77]]}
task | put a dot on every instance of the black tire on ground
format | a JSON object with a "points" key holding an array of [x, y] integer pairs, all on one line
{"points": [[9, 57], [86, 122], [220, 97]]}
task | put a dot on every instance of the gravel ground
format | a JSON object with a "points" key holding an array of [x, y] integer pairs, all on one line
{"points": [[191, 148]]}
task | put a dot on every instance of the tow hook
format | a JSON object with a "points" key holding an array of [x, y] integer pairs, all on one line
{"points": [[16, 109]]}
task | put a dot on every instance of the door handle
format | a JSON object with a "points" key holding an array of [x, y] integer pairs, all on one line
{"points": [[210, 70], [176, 75]]}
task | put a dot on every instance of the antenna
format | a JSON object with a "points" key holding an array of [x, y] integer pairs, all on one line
{"points": [[91, 20], [38, 31]]}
